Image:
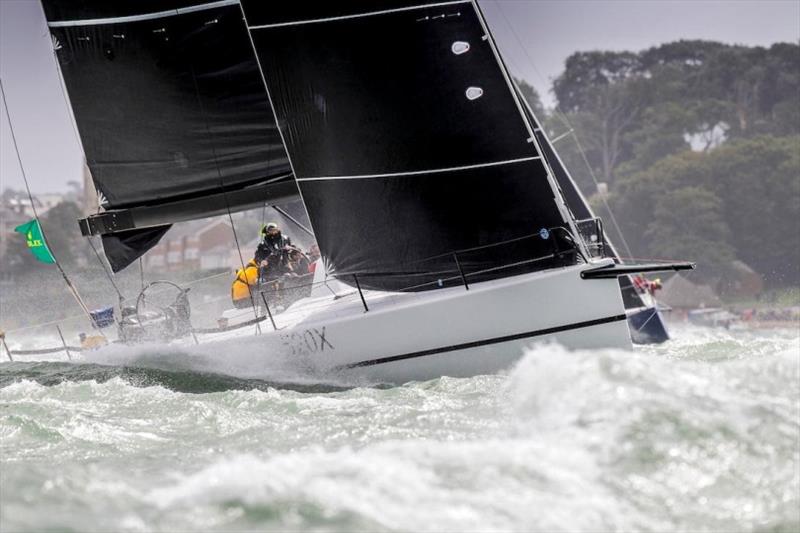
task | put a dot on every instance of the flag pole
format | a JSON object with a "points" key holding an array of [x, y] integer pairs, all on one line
{"points": [[70, 286]]}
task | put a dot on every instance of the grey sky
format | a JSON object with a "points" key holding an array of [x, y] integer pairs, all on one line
{"points": [[536, 36]]}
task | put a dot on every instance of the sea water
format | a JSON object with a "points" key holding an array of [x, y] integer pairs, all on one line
{"points": [[699, 434]]}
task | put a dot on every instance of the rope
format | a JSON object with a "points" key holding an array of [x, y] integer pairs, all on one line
{"points": [[69, 284]]}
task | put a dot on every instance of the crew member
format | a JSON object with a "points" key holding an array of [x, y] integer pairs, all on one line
{"points": [[313, 255], [299, 262], [246, 279], [653, 286], [272, 240]]}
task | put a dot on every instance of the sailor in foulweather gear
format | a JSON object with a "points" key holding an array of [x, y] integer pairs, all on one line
{"points": [[272, 240], [276, 265], [246, 280], [299, 262]]}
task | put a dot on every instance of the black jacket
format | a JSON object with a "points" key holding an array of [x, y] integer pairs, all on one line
{"points": [[270, 245]]}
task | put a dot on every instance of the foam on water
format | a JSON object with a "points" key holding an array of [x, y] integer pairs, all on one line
{"points": [[699, 434]]}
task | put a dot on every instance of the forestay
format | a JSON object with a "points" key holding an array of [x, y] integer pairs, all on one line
{"points": [[406, 138]]}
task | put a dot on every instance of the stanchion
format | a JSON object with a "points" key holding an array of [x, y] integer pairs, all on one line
{"points": [[461, 271], [358, 286], [3, 339], [269, 313], [66, 348]]}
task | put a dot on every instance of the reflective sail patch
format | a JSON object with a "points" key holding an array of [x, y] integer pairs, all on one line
{"points": [[460, 47], [473, 93]]}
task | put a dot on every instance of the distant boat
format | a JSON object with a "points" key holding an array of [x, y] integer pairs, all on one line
{"points": [[447, 242]]}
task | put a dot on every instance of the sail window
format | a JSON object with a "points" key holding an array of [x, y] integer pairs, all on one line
{"points": [[473, 93], [460, 47]]}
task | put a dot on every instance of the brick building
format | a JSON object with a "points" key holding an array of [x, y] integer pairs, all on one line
{"points": [[200, 245]]}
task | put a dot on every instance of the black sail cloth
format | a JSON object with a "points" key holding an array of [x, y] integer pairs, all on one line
{"points": [[169, 103], [125, 247], [405, 138], [166, 106]]}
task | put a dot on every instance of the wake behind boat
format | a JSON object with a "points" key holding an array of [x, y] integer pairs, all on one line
{"points": [[447, 240]]}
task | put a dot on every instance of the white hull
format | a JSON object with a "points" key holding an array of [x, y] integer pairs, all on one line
{"points": [[446, 332]]}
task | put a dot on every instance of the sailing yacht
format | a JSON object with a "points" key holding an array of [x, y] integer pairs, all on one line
{"points": [[447, 241]]}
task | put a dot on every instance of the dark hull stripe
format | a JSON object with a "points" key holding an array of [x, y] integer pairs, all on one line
{"points": [[488, 342]]}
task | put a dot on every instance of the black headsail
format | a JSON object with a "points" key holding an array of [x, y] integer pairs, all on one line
{"points": [[172, 113], [407, 140]]}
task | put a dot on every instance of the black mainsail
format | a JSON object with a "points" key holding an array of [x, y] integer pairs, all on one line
{"points": [[407, 140], [172, 114]]}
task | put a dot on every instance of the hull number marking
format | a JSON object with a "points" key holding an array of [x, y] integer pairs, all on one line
{"points": [[309, 341]]}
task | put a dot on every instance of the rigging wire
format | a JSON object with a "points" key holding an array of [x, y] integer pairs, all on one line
{"points": [[68, 282], [563, 117], [106, 271], [63, 86], [292, 219], [225, 196]]}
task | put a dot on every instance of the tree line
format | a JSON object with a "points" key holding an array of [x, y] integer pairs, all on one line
{"points": [[699, 145], [698, 142]]}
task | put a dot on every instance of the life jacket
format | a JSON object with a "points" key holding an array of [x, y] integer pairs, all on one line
{"points": [[244, 278]]}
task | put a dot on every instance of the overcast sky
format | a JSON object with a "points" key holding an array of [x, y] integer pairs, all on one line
{"points": [[535, 36]]}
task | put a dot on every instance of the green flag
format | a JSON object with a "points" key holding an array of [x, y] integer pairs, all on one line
{"points": [[33, 234]]}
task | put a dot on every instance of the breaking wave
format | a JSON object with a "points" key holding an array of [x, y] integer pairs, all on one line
{"points": [[700, 434]]}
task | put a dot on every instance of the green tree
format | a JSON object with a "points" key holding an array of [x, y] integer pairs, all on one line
{"points": [[758, 183], [631, 109], [531, 95], [758, 180], [689, 223]]}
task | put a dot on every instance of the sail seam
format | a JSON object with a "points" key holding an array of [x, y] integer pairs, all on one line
{"points": [[145, 16], [357, 15], [421, 172]]}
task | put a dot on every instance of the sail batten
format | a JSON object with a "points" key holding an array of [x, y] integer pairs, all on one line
{"points": [[356, 15], [137, 18], [421, 172]]}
